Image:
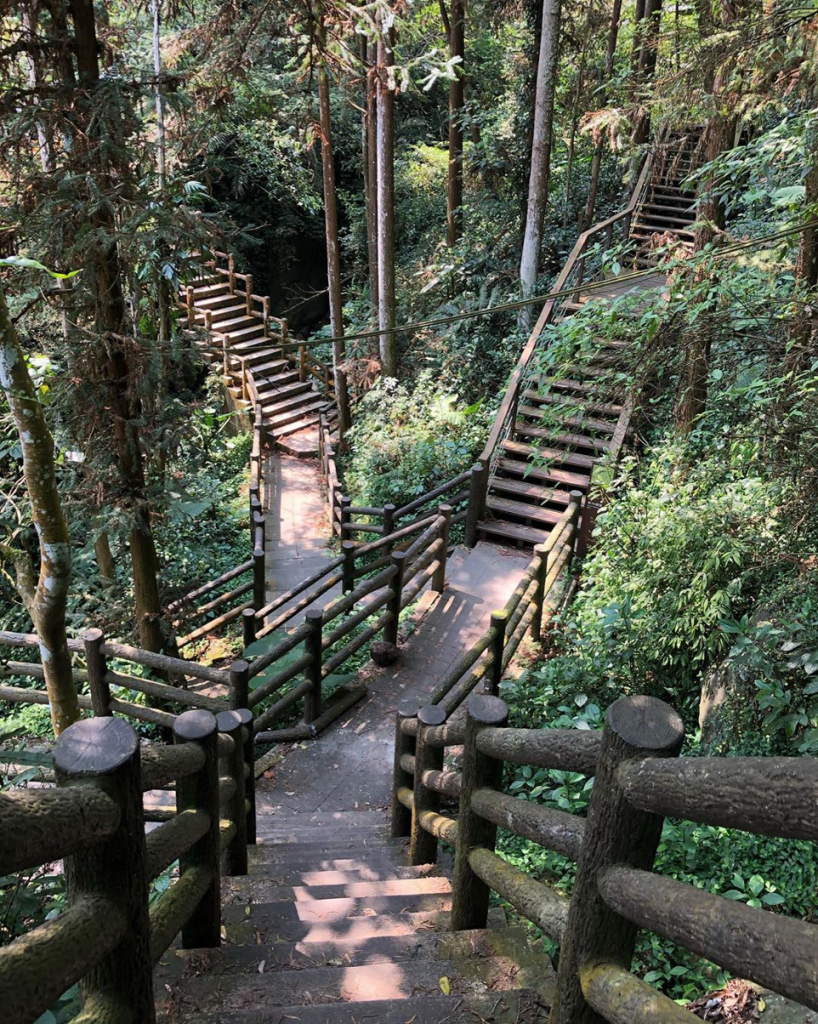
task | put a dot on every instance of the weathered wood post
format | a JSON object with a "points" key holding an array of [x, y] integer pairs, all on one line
{"points": [[388, 522], [470, 894], [402, 816], [208, 317], [191, 307], [231, 273], [302, 363], [200, 792], [249, 755], [259, 583], [390, 630], [584, 525], [226, 358], [235, 855], [423, 848], [348, 548], [248, 284], [104, 753], [239, 673], [439, 576], [314, 619], [615, 833], [541, 552], [248, 627], [477, 502], [97, 665], [345, 502], [499, 623], [265, 312]]}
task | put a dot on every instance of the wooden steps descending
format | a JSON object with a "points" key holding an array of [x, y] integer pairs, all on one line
{"points": [[332, 924], [288, 402]]}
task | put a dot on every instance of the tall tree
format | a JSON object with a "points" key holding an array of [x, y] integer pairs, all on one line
{"points": [[369, 60], [540, 173], [455, 26], [46, 592], [596, 162], [113, 364], [160, 110], [331, 228], [386, 203], [646, 69]]}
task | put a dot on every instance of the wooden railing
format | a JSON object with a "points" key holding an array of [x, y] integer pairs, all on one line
{"points": [[638, 780], [109, 937]]}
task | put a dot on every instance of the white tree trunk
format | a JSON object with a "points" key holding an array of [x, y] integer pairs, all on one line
{"points": [[385, 144], [540, 151]]}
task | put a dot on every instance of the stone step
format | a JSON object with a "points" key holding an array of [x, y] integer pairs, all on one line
{"points": [[268, 890], [512, 1007], [313, 986]]}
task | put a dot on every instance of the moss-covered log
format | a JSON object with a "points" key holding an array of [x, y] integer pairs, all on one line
{"points": [[571, 750], [174, 838], [174, 908], [554, 829], [537, 902], [622, 998]]}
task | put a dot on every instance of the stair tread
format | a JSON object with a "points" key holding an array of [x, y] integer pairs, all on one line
{"points": [[338, 909], [292, 428], [583, 422], [513, 531], [267, 891], [551, 454], [243, 333], [312, 403], [532, 491], [523, 509], [598, 407], [529, 472], [370, 869], [571, 441]]}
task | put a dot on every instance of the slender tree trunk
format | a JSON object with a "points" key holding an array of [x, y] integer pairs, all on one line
{"points": [[575, 114], [369, 56], [105, 560], [45, 597], [454, 191], [648, 53], [596, 163], [161, 153], [386, 209], [540, 150], [28, 19], [105, 273], [333, 247]]}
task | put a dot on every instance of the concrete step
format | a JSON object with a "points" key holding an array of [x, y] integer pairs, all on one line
{"points": [[313, 986], [268, 890], [513, 1007], [272, 915], [348, 870]]}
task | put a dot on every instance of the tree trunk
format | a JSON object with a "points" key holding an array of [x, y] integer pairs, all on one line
{"points": [[454, 191], [45, 598], [160, 112], [369, 53], [648, 52], [575, 114], [386, 208], [333, 248], [596, 163], [803, 330], [540, 151], [105, 560], [109, 314]]}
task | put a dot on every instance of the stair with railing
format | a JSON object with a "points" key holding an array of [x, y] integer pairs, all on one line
{"points": [[254, 347]]}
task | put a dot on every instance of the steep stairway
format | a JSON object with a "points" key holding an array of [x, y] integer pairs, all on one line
{"points": [[333, 925], [666, 213], [290, 403]]}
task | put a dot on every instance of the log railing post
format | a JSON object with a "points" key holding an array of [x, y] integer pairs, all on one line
{"points": [[259, 582], [208, 317], [200, 792], [239, 673], [191, 307], [499, 622], [539, 595], [226, 358], [402, 816], [390, 630], [345, 502], [265, 312], [348, 548], [248, 284], [423, 848], [477, 502], [231, 273], [615, 832], [302, 363], [470, 894], [104, 753], [313, 618], [439, 576], [235, 856], [248, 627], [388, 521], [97, 666], [249, 756]]}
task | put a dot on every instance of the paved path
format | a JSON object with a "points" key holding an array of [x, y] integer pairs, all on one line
{"points": [[350, 767]]}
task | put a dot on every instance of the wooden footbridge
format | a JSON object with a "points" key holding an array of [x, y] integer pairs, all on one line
{"points": [[352, 881]]}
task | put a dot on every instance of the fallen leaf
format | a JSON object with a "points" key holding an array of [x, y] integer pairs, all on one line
{"points": [[445, 986]]}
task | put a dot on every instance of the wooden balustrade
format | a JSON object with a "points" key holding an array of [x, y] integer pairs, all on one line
{"points": [[639, 778], [108, 939]]}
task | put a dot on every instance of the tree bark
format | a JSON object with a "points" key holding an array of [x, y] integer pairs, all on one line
{"points": [[45, 598], [109, 314], [540, 151], [596, 163], [160, 112], [105, 560], [454, 191], [369, 53], [648, 52], [386, 208], [575, 114], [331, 227]]}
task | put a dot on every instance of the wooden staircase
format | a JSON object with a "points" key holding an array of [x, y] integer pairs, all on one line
{"points": [[665, 214], [332, 925], [237, 326]]}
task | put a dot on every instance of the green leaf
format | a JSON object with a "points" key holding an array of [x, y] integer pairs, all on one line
{"points": [[756, 884], [22, 261], [772, 899]]}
